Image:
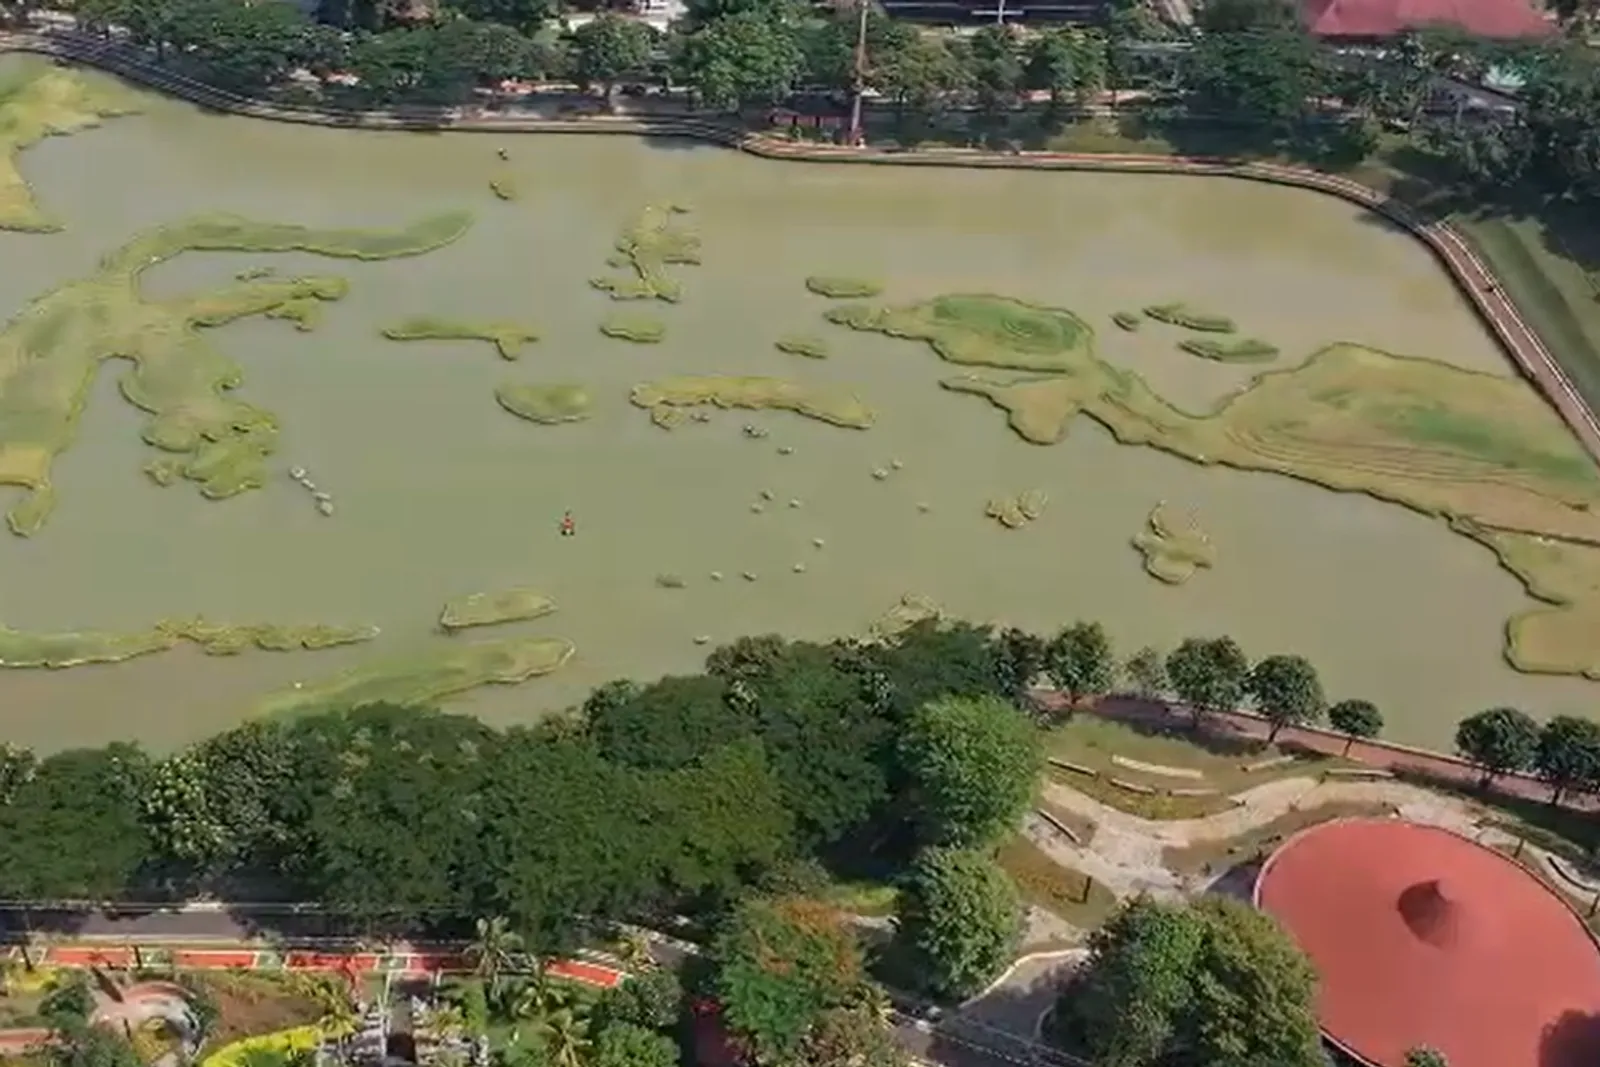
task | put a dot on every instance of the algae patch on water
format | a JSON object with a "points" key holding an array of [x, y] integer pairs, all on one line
{"points": [[912, 609], [546, 404], [1563, 637], [1173, 546], [508, 338], [41, 102], [807, 345], [981, 330], [426, 677], [1127, 320], [1244, 350], [76, 648], [652, 242], [836, 287], [1190, 319], [1014, 512], [51, 350], [1447, 442], [640, 329], [774, 394], [492, 609]]}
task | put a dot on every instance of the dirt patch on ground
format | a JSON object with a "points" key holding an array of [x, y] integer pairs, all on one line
{"points": [[249, 1004], [1206, 856], [1055, 887]]}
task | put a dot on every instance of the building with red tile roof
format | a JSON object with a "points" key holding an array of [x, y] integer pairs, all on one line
{"points": [[1369, 20], [1422, 937]]}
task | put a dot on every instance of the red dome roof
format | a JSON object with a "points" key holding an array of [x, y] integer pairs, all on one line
{"points": [[1422, 937]]}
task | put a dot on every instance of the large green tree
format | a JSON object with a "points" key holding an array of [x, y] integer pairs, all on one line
{"points": [[778, 964], [665, 725], [1079, 660], [1356, 719], [626, 1045], [1498, 740], [1287, 692], [609, 48], [746, 59], [1210, 674], [1568, 755], [1269, 77], [1214, 983], [973, 764], [960, 921], [73, 830]]}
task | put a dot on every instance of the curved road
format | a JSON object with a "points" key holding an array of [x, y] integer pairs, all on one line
{"points": [[1475, 279]]}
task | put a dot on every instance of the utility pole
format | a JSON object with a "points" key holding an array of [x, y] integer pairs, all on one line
{"points": [[861, 74]]}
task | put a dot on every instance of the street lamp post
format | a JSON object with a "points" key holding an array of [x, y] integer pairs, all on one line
{"points": [[856, 138]]}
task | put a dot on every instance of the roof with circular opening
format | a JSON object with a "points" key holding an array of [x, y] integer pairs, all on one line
{"points": [[1422, 937]]}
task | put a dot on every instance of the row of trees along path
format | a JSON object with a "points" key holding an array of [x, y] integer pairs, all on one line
{"points": [[1470, 273]]}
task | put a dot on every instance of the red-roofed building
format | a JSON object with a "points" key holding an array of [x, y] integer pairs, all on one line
{"points": [[1372, 20]]}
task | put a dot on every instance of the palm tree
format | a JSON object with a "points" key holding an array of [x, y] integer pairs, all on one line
{"points": [[564, 1037], [491, 951], [633, 949], [543, 997]]}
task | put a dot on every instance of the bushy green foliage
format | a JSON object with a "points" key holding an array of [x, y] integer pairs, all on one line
{"points": [[1216, 982], [960, 920], [973, 763]]}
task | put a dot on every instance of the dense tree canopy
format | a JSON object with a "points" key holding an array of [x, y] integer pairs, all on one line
{"points": [[973, 764], [1498, 740], [1216, 982], [779, 964], [73, 828], [960, 921]]}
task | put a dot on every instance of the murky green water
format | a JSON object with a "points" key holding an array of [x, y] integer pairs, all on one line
{"points": [[441, 493]]}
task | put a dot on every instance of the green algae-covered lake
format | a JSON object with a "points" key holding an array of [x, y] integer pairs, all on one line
{"points": [[441, 493]]}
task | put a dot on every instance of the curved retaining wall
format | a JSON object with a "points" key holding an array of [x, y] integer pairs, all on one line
{"points": [[1474, 278]]}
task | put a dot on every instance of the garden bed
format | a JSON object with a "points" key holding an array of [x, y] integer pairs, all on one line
{"points": [[1058, 889]]}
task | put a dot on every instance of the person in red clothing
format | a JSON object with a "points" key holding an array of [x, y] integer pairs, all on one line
{"points": [[568, 526]]}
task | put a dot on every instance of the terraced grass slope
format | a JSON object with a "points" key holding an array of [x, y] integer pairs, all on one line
{"points": [[1481, 451], [51, 350]]}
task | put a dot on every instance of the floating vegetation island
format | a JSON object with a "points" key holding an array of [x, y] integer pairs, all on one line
{"points": [[808, 345], [912, 609], [50, 351], [839, 288], [492, 609], [1245, 350], [426, 676], [43, 102], [1127, 320], [653, 242], [640, 329], [1014, 512], [546, 404], [508, 338], [1559, 637], [985, 331], [1190, 319], [1444, 441], [1173, 547], [19, 648], [771, 394]]}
